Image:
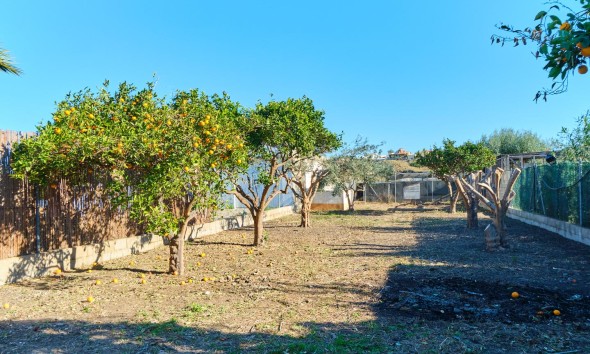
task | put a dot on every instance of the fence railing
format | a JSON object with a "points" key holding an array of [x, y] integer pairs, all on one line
{"points": [[406, 187], [560, 191]]}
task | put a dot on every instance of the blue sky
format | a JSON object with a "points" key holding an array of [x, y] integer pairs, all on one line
{"points": [[406, 73]]}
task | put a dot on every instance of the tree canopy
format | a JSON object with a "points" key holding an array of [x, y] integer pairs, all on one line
{"points": [[164, 160], [574, 144], [510, 141], [450, 161]]}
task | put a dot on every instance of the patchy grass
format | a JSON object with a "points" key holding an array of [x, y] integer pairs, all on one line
{"points": [[377, 280]]}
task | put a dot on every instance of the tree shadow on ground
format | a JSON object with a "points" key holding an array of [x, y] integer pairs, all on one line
{"points": [[536, 257], [171, 336]]}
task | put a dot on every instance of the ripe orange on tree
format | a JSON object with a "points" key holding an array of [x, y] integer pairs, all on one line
{"points": [[565, 26], [582, 69]]}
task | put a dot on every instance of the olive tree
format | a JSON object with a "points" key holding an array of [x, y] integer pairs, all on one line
{"points": [[510, 141], [354, 164]]}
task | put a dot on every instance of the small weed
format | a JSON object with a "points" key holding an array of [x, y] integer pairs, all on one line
{"points": [[86, 309], [196, 308], [193, 310]]}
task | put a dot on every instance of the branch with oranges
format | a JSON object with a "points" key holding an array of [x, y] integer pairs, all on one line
{"points": [[564, 45]]}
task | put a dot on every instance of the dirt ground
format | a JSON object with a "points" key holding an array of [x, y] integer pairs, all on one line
{"points": [[380, 280]]}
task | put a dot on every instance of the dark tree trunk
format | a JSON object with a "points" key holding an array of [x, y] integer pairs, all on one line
{"points": [[258, 228], [472, 221], [500, 223]]}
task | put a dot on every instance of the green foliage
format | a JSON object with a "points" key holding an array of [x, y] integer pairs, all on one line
{"points": [[441, 161], [510, 141], [562, 38], [354, 164], [282, 132], [574, 144], [294, 127], [162, 159], [451, 160]]}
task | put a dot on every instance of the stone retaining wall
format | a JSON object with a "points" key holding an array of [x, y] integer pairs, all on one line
{"points": [[565, 229]]}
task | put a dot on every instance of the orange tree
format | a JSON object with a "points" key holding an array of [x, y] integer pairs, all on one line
{"points": [[452, 163], [443, 163], [164, 160], [562, 37], [279, 135]]}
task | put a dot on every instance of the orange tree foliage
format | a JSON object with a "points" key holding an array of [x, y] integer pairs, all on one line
{"points": [[175, 155], [562, 37]]}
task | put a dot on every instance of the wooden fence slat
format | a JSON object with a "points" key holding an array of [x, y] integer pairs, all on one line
{"points": [[68, 218]]}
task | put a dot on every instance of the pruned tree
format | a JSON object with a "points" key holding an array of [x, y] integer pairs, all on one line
{"points": [[564, 45], [355, 164], [497, 202], [166, 161], [278, 135]]}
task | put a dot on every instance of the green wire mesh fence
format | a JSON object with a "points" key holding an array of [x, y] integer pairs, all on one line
{"points": [[560, 191]]}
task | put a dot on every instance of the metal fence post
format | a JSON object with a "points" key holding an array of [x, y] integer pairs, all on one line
{"points": [[395, 187], [580, 192], [431, 191]]}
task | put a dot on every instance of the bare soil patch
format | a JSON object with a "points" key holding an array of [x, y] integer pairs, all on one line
{"points": [[378, 280]]}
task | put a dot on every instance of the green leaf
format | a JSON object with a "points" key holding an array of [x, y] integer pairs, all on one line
{"points": [[540, 15], [554, 72], [544, 50], [555, 19]]}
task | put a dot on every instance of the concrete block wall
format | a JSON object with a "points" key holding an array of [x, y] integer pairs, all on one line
{"points": [[236, 221], [324, 200], [565, 229], [37, 265]]}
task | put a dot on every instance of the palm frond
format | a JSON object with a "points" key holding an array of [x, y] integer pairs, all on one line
{"points": [[6, 64]]}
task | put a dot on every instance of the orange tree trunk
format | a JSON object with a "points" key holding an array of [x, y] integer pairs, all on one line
{"points": [[176, 260], [305, 211], [258, 228]]}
